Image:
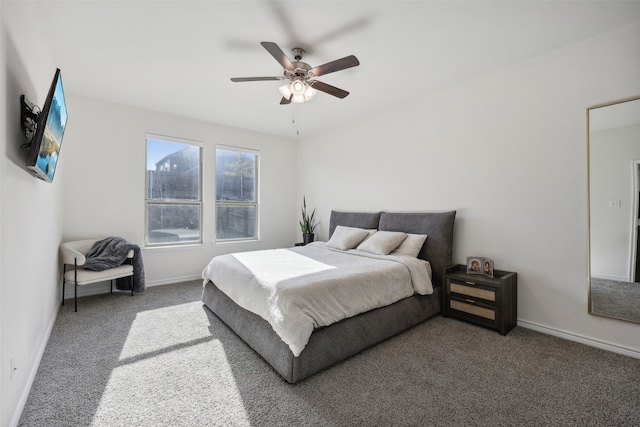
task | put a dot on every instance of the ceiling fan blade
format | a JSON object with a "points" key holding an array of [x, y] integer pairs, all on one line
{"points": [[337, 65], [279, 55], [254, 79], [285, 101], [331, 90]]}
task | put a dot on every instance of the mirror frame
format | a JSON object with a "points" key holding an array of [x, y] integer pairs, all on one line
{"points": [[589, 109]]}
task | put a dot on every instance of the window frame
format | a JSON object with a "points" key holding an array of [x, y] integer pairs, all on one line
{"points": [[255, 203], [170, 201]]}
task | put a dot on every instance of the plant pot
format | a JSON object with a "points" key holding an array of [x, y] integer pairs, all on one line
{"points": [[307, 238]]}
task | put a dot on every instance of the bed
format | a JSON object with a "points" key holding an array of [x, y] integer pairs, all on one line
{"points": [[329, 344]]}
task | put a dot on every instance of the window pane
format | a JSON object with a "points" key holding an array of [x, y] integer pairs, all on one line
{"points": [[235, 176], [235, 222], [173, 223], [173, 170]]}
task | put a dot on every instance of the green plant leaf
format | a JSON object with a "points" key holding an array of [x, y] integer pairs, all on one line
{"points": [[307, 225]]}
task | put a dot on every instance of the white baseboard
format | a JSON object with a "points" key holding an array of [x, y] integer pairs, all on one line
{"points": [[105, 288], [581, 339], [174, 280], [17, 413]]}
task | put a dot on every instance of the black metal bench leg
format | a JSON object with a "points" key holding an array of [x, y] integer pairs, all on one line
{"points": [[75, 288], [64, 270]]}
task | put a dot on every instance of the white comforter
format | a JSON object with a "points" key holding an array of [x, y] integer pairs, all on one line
{"points": [[299, 289]]}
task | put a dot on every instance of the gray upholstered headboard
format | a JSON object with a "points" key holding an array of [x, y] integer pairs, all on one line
{"points": [[366, 220], [438, 249]]}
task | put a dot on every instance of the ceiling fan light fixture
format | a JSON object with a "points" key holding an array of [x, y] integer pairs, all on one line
{"points": [[299, 91], [298, 99], [285, 90], [298, 87], [309, 92]]}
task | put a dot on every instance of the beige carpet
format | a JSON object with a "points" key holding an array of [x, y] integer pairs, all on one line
{"points": [[163, 359]]}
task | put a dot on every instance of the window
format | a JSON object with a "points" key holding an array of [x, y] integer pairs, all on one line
{"points": [[236, 194], [173, 194]]}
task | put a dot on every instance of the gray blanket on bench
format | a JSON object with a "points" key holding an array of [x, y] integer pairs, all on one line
{"points": [[112, 252]]}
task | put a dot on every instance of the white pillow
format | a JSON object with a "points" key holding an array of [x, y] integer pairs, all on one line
{"points": [[347, 237], [371, 232], [382, 242], [410, 246]]}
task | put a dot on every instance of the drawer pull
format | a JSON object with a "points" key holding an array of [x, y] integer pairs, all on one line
{"points": [[470, 301], [470, 283]]}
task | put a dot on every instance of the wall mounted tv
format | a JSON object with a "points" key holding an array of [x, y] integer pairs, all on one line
{"points": [[45, 130]]}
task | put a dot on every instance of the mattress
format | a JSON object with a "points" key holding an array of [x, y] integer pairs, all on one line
{"points": [[302, 288]]}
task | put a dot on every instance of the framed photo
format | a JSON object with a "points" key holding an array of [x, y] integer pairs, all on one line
{"points": [[487, 267], [480, 265], [474, 265]]}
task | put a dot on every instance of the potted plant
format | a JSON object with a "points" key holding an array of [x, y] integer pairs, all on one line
{"points": [[307, 225]]}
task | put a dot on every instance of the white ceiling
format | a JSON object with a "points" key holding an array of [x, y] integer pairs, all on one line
{"points": [[177, 57]]}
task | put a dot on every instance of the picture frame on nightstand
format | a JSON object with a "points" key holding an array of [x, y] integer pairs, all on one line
{"points": [[480, 265], [474, 265]]}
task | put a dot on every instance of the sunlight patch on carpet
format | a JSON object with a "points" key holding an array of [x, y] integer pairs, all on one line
{"points": [[154, 385], [166, 328]]}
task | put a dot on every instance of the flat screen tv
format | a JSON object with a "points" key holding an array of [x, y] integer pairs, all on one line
{"points": [[44, 147]]}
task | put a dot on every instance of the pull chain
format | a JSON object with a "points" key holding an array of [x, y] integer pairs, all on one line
{"points": [[295, 118]]}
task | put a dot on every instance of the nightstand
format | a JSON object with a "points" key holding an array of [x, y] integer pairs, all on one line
{"points": [[486, 301]]}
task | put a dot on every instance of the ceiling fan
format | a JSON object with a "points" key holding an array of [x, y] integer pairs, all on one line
{"points": [[302, 86]]}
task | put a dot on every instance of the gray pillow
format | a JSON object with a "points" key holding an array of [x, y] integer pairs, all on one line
{"points": [[344, 238], [382, 242], [410, 246]]}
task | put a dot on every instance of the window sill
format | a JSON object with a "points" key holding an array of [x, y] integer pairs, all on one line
{"points": [[190, 246], [236, 242]]}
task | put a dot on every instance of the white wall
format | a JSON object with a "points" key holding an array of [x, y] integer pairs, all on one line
{"points": [[611, 178], [508, 152], [30, 212], [104, 160]]}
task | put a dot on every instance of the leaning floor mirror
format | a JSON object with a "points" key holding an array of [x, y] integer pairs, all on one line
{"points": [[613, 147]]}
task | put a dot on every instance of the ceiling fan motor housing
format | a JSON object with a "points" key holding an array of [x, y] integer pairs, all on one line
{"points": [[298, 53]]}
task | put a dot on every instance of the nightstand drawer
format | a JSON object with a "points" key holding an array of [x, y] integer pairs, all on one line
{"points": [[487, 313], [473, 291]]}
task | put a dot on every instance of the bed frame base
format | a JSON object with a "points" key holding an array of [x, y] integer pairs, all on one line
{"points": [[327, 345]]}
